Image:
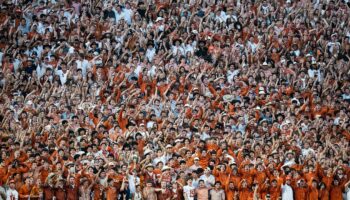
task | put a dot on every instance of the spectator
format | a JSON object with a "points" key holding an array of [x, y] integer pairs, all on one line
{"points": [[189, 190], [11, 192], [217, 193], [133, 99], [202, 191]]}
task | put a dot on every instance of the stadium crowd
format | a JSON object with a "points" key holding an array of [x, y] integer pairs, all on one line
{"points": [[174, 99]]}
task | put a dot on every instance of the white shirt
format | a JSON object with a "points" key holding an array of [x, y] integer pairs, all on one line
{"points": [[150, 124], [150, 53], [118, 16], [62, 75], [208, 180], [84, 65], [133, 181], [40, 28], [253, 46], [138, 196], [128, 13], [178, 49], [11, 194], [347, 190], [231, 74], [2, 193], [40, 70], [287, 192], [345, 96], [158, 159], [189, 192], [204, 136], [1, 55], [190, 47], [306, 152]]}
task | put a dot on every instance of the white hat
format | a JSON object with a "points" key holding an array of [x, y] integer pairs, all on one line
{"points": [[149, 165], [296, 100], [98, 62], [168, 146], [165, 168], [264, 63], [85, 161], [232, 162], [159, 19], [147, 151], [228, 98], [263, 120], [262, 92], [178, 140]]}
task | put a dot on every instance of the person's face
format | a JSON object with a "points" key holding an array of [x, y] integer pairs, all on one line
{"points": [[201, 184], [12, 185], [28, 181], [163, 184], [189, 182]]}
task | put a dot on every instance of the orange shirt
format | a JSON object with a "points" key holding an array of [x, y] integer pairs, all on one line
{"points": [[275, 192], [24, 191], [245, 193], [230, 194], [122, 121], [313, 193], [111, 193], [336, 193], [301, 193], [260, 177], [324, 194]]}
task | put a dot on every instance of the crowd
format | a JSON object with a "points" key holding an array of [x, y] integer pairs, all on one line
{"points": [[175, 99]]}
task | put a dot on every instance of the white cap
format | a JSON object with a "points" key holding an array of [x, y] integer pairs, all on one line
{"points": [[159, 19]]}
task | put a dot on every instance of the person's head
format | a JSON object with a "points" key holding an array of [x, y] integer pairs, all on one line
{"points": [[217, 185], [274, 183], [163, 185], [288, 180], [336, 182], [207, 171], [12, 184], [72, 180], [189, 182], [201, 183], [29, 181]]}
